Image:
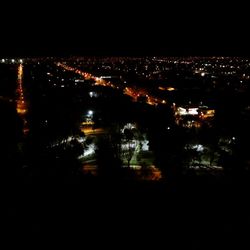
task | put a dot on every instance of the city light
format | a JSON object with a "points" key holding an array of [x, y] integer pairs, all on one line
{"points": [[187, 111]]}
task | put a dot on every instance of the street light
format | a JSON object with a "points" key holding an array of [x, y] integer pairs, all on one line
{"points": [[90, 112]]}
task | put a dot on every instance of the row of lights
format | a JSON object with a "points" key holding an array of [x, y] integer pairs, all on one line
{"points": [[12, 60]]}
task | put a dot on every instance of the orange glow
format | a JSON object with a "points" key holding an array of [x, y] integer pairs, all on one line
{"points": [[131, 91], [162, 88], [170, 89], [21, 106], [166, 88]]}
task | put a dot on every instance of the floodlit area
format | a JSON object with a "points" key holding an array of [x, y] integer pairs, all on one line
{"points": [[186, 111], [88, 151]]}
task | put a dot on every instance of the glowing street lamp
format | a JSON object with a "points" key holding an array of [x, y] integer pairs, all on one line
{"points": [[90, 112]]}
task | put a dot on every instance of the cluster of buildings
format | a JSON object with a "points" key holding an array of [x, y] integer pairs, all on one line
{"points": [[193, 115]]}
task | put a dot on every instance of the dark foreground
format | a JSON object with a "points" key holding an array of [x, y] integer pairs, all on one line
{"points": [[194, 214]]}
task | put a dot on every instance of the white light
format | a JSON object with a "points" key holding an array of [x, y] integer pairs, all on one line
{"points": [[3, 60], [90, 150], [198, 147], [193, 111], [233, 138], [91, 94], [90, 112], [189, 111], [168, 128], [21, 60], [145, 145], [182, 111], [202, 74], [12, 60], [81, 140]]}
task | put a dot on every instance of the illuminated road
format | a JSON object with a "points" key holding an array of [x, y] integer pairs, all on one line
{"points": [[20, 101], [133, 92]]}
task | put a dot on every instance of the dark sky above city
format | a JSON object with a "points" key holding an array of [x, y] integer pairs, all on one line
{"points": [[126, 29]]}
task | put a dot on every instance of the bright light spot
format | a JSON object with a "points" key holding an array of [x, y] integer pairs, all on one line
{"points": [[233, 138], [145, 146], [70, 138], [193, 111], [90, 150], [170, 89], [202, 74], [90, 112], [188, 111], [168, 128], [21, 60], [81, 140], [3, 60], [91, 94], [131, 145], [128, 126], [62, 86], [197, 147], [12, 60]]}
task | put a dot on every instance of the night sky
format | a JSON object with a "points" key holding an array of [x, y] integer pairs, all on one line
{"points": [[124, 29]]}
